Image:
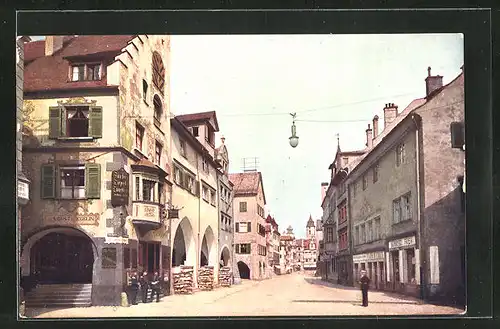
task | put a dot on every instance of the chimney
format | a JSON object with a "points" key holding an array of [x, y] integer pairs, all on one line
{"points": [[324, 187], [390, 113], [369, 137], [52, 44], [375, 126], [432, 83]]}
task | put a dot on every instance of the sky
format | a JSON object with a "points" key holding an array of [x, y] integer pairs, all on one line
{"points": [[335, 83], [253, 82]]}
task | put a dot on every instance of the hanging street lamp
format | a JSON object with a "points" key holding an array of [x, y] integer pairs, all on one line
{"points": [[294, 139]]}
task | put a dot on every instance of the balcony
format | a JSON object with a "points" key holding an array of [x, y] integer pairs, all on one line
{"points": [[146, 216]]}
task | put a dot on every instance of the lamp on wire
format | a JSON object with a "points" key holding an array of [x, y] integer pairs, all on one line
{"points": [[294, 139]]}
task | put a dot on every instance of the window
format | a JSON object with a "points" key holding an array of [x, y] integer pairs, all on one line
{"points": [[362, 237], [243, 227], [411, 266], [243, 248], [342, 212], [406, 207], [400, 154], [183, 148], [177, 175], [158, 72], [369, 231], [375, 173], [158, 149], [204, 192], [243, 206], [72, 182], [190, 184], [329, 234], [345, 160], [376, 229], [78, 73], [158, 110], [355, 188], [261, 230], [93, 72], [144, 90], [75, 121], [205, 167], [209, 135], [148, 187], [365, 182], [139, 136], [196, 132], [212, 197], [260, 211], [75, 182], [396, 209], [126, 258]]}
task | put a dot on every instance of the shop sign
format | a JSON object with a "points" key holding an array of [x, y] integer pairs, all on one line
{"points": [[23, 190], [82, 219], [369, 257], [119, 188], [402, 243], [118, 240]]}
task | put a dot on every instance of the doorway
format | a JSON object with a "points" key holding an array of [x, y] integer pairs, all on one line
{"points": [[149, 256], [59, 258]]}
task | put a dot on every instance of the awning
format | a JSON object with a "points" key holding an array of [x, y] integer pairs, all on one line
{"points": [[144, 226]]}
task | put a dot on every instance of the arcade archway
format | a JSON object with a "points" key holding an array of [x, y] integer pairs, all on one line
{"points": [[208, 251], [244, 270], [183, 244], [225, 257]]}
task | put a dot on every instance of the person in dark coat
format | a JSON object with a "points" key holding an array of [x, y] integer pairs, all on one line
{"points": [[144, 282], [364, 281], [155, 287], [134, 287]]}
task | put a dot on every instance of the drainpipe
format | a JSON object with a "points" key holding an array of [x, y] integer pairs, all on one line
{"points": [[416, 120]]}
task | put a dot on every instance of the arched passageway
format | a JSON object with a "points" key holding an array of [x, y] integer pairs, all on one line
{"points": [[225, 257], [208, 250], [183, 246], [244, 270], [64, 256]]}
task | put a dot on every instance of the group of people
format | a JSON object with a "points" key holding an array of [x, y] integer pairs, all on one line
{"points": [[143, 283]]}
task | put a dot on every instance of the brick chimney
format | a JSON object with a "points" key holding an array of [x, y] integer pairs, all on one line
{"points": [[375, 126], [369, 137], [390, 113], [432, 83], [52, 44]]}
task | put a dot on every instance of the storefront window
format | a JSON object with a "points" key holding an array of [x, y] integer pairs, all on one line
{"points": [[395, 265], [410, 258]]}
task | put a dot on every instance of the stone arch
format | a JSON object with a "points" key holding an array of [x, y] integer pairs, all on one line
{"points": [[244, 270], [38, 235], [183, 252], [225, 256], [208, 248]]}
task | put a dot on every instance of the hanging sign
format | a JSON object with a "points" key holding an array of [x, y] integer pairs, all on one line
{"points": [[119, 188]]}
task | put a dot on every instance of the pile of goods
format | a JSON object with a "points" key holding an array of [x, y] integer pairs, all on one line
{"points": [[183, 280], [206, 278], [225, 276]]}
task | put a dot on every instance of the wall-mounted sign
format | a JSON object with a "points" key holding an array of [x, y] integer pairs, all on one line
{"points": [[23, 190], [369, 257], [116, 240], [402, 243], [119, 188], [82, 219], [108, 258]]}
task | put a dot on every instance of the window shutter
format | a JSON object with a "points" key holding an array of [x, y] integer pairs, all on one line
{"points": [[55, 120], [237, 227], [92, 180], [197, 188], [249, 227], [95, 122], [48, 181]]}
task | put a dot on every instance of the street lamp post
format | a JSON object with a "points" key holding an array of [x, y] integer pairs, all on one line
{"points": [[294, 139]]}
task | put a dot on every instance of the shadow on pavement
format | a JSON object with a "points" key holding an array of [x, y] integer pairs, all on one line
{"points": [[352, 301], [319, 282]]}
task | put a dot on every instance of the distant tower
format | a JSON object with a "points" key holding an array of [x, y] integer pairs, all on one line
{"points": [[310, 228]]}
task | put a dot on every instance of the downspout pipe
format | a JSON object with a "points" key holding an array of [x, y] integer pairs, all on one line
{"points": [[417, 121]]}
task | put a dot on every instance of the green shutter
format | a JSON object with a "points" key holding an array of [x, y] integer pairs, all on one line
{"points": [[92, 180], [48, 184], [95, 122], [249, 227], [55, 119]]}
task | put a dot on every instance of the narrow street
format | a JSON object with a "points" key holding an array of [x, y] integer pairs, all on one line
{"points": [[287, 295]]}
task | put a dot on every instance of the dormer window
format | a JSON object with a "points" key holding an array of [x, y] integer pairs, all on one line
{"points": [[196, 131], [210, 136], [89, 72]]}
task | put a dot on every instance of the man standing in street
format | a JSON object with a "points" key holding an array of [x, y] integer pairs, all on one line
{"points": [[155, 287], [364, 281], [144, 282]]}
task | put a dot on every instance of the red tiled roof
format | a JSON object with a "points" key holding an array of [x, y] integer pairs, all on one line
{"points": [[247, 183], [42, 73], [201, 116]]}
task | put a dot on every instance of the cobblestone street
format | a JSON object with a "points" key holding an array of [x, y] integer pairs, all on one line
{"points": [[288, 295]]}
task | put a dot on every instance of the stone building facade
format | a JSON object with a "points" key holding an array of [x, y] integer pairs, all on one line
{"points": [[195, 235], [98, 190], [250, 233], [406, 198], [273, 245]]}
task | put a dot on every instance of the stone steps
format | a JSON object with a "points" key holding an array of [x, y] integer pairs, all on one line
{"points": [[60, 295]]}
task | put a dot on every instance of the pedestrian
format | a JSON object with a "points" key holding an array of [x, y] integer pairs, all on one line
{"points": [[155, 287], [134, 287], [364, 281], [144, 282]]}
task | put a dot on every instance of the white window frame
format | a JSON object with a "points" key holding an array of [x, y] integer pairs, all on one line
{"points": [[79, 191]]}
